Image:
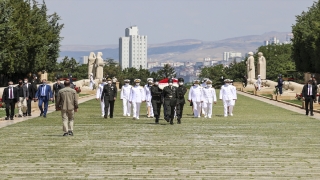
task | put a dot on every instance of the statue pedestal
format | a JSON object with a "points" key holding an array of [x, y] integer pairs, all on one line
{"points": [[117, 85], [44, 76]]}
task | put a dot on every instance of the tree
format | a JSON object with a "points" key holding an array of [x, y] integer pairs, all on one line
{"points": [[30, 39], [215, 73], [306, 41], [167, 71], [278, 58], [236, 71]]}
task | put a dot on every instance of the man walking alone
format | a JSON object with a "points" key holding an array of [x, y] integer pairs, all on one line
{"points": [[67, 101]]}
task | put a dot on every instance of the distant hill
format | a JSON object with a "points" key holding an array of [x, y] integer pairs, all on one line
{"points": [[188, 50]]}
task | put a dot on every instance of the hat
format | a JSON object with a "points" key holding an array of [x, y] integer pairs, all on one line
{"points": [[109, 79], [155, 80], [180, 80], [126, 80], [137, 80], [209, 82], [259, 75], [227, 80], [170, 80], [91, 74], [230, 80], [313, 76], [280, 75], [150, 79], [196, 81]]}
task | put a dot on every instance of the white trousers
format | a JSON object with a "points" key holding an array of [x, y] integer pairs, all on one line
{"points": [[197, 109], [207, 109], [149, 104], [136, 109], [227, 103], [22, 105], [91, 85], [202, 108], [126, 107]]}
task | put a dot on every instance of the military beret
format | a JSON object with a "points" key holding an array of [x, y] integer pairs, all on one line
{"points": [[180, 80]]}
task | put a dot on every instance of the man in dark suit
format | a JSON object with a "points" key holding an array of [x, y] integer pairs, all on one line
{"points": [[56, 87], [156, 100], [10, 98], [109, 95], [44, 94], [309, 95], [34, 83], [182, 90], [22, 103], [30, 94], [170, 94], [280, 83]]}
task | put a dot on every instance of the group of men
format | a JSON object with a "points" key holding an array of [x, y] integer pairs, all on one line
{"points": [[171, 98], [25, 92]]}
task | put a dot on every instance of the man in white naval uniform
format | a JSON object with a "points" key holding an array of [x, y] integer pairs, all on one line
{"points": [[137, 96], [124, 96], [203, 85], [99, 93], [91, 81], [208, 97], [195, 95], [233, 102], [227, 96], [148, 97]]}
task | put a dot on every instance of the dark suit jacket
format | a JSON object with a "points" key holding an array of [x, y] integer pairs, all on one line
{"points": [[182, 90], [56, 88], [30, 93], [110, 91], [34, 88], [305, 91], [5, 95]]}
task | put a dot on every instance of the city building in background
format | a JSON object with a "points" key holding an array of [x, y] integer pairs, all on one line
{"points": [[133, 49]]}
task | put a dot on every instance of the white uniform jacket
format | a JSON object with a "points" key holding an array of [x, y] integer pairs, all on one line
{"points": [[234, 91], [99, 90], [148, 92], [137, 94], [195, 94], [227, 93], [125, 92], [209, 95]]}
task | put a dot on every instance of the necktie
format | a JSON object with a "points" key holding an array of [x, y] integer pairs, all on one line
{"points": [[11, 94]]}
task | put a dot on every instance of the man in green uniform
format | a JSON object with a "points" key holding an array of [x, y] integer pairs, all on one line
{"points": [[109, 95], [170, 100], [156, 102], [181, 101]]}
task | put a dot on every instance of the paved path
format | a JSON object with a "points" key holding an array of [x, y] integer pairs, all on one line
{"points": [[36, 112], [279, 104]]}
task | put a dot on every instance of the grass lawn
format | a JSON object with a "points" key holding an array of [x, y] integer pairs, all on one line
{"points": [[260, 141], [80, 95], [267, 95], [294, 101]]}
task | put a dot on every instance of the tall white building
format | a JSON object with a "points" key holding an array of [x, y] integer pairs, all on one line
{"points": [[272, 40], [133, 49], [228, 55], [83, 60]]}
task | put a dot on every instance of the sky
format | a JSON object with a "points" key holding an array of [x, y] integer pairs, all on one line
{"points": [[102, 22]]}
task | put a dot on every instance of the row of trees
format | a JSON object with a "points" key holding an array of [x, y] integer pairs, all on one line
{"points": [[29, 38]]}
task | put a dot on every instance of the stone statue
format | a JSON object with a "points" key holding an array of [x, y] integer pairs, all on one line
{"points": [[91, 66], [262, 66], [99, 66], [250, 66]]}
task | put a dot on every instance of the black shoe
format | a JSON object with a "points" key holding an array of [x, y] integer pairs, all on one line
{"points": [[41, 114], [171, 121], [7, 118], [311, 114], [65, 134], [106, 116], [111, 116], [70, 133], [19, 115], [167, 119], [29, 114], [179, 120], [44, 115], [11, 118]]}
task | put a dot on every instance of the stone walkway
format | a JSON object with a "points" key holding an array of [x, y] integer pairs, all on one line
{"points": [[36, 112], [279, 104]]}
